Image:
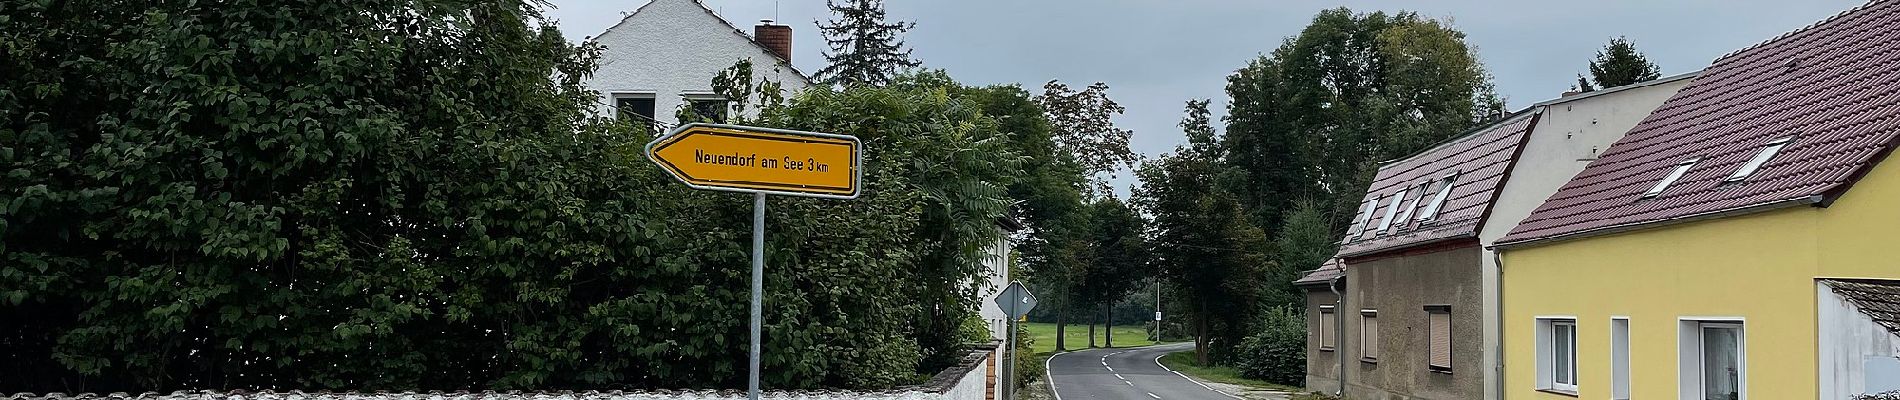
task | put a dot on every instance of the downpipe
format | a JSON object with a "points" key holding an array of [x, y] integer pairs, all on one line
{"points": [[1339, 330]]}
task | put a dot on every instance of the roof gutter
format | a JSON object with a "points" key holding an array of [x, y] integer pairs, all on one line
{"points": [[1812, 200]]}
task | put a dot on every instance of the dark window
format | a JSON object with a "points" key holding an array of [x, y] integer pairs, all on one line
{"points": [[636, 108], [710, 110]]}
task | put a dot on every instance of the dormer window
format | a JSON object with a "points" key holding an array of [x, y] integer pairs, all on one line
{"points": [[1674, 175], [1754, 164], [1430, 212], [1392, 210]]}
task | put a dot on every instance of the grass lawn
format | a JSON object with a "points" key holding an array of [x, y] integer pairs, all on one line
{"points": [[1184, 362], [1078, 336]]}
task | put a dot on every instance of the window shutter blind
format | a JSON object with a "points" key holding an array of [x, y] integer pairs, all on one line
{"points": [[1441, 339], [1369, 337], [1326, 329]]}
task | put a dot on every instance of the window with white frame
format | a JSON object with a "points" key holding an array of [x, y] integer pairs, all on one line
{"points": [[1326, 327], [1369, 335], [1438, 340], [1754, 164], [1557, 354], [1713, 360], [706, 107], [634, 106], [1359, 224], [1430, 212], [1619, 358], [1372, 208], [1405, 213], [1681, 169], [1398, 199]]}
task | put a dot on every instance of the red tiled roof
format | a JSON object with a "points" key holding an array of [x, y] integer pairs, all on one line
{"points": [[1481, 159], [1834, 87], [1325, 273]]}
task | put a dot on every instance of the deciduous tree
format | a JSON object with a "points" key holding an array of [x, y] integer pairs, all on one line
{"points": [[1313, 118], [1202, 240], [1085, 127]]}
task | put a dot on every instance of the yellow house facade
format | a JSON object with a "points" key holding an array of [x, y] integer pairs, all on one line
{"points": [[1757, 269], [1741, 242]]}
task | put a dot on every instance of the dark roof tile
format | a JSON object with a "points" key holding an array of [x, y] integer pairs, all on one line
{"points": [[1482, 160], [1834, 86]]}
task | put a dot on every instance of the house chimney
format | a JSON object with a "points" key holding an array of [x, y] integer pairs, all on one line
{"points": [[776, 37]]}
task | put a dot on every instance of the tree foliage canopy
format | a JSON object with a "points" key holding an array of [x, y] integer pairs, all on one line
{"points": [[866, 49], [374, 195], [1313, 118], [1201, 238], [1619, 63], [1085, 128]]}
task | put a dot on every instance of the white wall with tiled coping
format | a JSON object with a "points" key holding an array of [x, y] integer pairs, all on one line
{"points": [[965, 381]]}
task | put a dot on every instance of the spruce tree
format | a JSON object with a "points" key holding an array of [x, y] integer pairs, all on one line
{"points": [[865, 48], [1620, 64]]}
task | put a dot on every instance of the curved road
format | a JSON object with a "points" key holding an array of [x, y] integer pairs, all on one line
{"points": [[1124, 374]]}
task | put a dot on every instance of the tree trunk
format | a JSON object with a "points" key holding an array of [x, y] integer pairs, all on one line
{"points": [[1091, 333], [1108, 325], [1061, 321], [1200, 335]]}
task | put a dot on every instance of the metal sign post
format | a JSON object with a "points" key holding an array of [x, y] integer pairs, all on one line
{"points": [[1016, 301], [760, 161]]}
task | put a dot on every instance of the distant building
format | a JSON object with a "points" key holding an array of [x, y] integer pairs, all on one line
{"points": [[996, 277], [1418, 317], [662, 57], [1739, 243]]}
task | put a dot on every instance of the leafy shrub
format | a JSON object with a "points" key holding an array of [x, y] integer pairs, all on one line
{"points": [[1028, 365], [975, 329], [1277, 351]]}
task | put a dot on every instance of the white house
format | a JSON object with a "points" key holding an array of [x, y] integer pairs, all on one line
{"points": [[663, 56], [996, 278]]}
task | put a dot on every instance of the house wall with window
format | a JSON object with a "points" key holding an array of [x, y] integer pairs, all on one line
{"points": [[1681, 287], [1405, 290], [1322, 367], [1570, 132], [664, 55]]}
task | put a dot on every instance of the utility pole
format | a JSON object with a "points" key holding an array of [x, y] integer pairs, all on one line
{"points": [[1157, 310]]}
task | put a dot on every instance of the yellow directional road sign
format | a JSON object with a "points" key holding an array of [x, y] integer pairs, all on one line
{"points": [[761, 160]]}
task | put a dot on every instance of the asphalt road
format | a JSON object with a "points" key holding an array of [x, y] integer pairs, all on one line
{"points": [[1124, 374]]}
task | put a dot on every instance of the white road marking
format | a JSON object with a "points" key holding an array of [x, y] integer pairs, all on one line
{"points": [[1129, 383], [1151, 394], [1190, 379], [1110, 369], [1119, 376]]}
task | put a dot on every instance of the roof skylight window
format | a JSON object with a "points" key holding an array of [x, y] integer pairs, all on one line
{"points": [[1681, 168], [1406, 214], [1438, 201], [1359, 225], [1754, 164], [1392, 210]]}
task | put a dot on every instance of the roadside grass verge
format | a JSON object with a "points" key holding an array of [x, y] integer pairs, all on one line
{"points": [[1077, 337], [1183, 361]]}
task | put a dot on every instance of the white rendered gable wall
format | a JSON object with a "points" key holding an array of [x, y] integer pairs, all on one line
{"points": [[672, 47]]}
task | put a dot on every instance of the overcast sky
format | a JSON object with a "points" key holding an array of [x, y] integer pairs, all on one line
{"points": [[1155, 55]]}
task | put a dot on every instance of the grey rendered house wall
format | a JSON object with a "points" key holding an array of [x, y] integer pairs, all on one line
{"points": [[1322, 369], [1399, 287]]}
